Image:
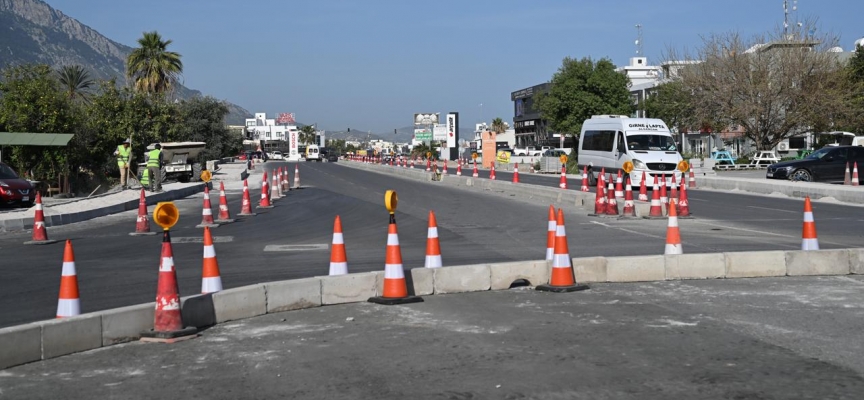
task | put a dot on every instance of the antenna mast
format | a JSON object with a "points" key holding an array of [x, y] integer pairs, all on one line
{"points": [[786, 16], [639, 40]]}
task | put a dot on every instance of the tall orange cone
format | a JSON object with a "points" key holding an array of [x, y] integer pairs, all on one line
{"points": [[847, 180], [643, 190], [395, 287], [492, 172], [338, 257], [561, 279], [246, 207], [211, 281], [286, 187], [619, 186], [475, 174], [224, 216], [656, 210], [809, 241], [563, 182], [275, 187], [855, 181], [599, 198], [167, 319], [585, 187], [683, 203], [611, 202], [265, 200], [433, 246], [142, 223], [296, 177], [69, 303], [516, 173], [629, 206], [673, 234], [40, 235], [459, 168], [207, 212], [550, 234]]}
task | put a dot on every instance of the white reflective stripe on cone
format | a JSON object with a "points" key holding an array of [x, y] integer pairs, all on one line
{"points": [[810, 244], [550, 252], [211, 285], [68, 307], [560, 231], [433, 261], [673, 222], [673, 249], [392, 239], [209, 252], [808, 217], [69, 268], [338, 268], [338, 239], [561, 261], [432, 232], [167, 264], [655, 202], [207, 211], [393, 271]]}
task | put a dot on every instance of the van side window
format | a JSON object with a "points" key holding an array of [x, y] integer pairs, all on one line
{"points": [[598, 140], [622, 145]]}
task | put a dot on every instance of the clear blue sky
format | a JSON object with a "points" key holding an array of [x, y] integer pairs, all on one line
{"points": [[371, 64]]}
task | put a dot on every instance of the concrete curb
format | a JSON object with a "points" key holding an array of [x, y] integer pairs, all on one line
{"points": [[25, 223], [54, 338], [846, 194]]}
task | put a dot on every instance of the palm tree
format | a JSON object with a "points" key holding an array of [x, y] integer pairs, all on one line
{"points": [[307, 134], [151, 68], [75, 80], [498, 125]]}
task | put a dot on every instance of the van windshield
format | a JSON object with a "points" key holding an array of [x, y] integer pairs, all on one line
{"points": [[651, 142]]}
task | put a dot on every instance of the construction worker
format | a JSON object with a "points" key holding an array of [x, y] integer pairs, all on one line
{"points": [[124, 154], [154, 167]]}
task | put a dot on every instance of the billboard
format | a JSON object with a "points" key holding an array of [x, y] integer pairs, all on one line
{"points": [[452, 129], [439, 132], [285, 119], [426, 119], [423, 135]]}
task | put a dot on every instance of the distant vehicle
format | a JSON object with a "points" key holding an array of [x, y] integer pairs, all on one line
{"points": [[554, 153], [313, 153], [827, 164], [277, 155], [329, 154], [180, 161], [13, 189], [527, 151]]}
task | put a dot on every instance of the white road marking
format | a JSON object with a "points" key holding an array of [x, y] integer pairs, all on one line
{"points": [[629, 231], [295, 247], [197, 239], [742, 229], [774, 209]]}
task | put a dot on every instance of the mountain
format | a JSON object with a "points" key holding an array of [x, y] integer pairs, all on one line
{"points": [[34, 32]]}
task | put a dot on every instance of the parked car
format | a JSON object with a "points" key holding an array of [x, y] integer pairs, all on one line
{"points": [[329, 154], [827, 164], [276, 155], [13, 189]]}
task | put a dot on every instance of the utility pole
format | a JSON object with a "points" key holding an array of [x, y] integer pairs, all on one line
{"points": [[639, 40]]}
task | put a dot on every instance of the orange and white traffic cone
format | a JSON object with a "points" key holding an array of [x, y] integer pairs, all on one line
{"points": [[599, 198], [428, 165], [459, 168], [475, 174], [855, 181], [265, 200], [809, 241], [516, 173], [550, 234], [224, 215], [629, 206], [211, 281], [611, 202], [692, 182], [643, 190], [561, 279], [395, 287], [275, 187], [585, 187], [563, 182], [492, 172], [664, 199], [286, 187], [656, 210], [433, 246], [296, 177], [673, 196], [619, 186], [444, 170], [847, 180], [673, 234], [246, 207], [142, 222], [683, 203], [168, 319], [69, 302], [40, 234], [338, 257], [207, 212]]}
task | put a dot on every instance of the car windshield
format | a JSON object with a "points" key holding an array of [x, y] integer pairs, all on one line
{"points": [[7, 173], [650, 142], [818, 154]]}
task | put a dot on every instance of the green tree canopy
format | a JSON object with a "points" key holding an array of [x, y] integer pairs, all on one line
{"points": [[855, 77], [202, 119], [581, 89], [75, 81], [151, 68], [498, 125], [307, 134]]}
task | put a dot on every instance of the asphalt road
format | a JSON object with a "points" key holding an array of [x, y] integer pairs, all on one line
{"points": [[779, 338], [115, 269]]}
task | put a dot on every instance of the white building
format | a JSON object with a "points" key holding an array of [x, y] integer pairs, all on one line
{"points": [[261, 130]]}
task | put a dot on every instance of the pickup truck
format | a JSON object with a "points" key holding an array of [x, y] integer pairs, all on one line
{"points": [[527, 151]]}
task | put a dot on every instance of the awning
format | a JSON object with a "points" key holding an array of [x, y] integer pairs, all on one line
{"points": [[34, 139]]}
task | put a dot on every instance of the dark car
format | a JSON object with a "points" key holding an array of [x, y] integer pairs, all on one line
{"points": [[827, 164], [14, 190], [329, 154]]}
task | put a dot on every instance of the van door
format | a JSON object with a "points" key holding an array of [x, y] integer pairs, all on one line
{"points": [[621, 148]]}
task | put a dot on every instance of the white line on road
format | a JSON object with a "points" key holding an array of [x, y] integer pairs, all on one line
{"points": [[295, 247], [650, 235], [774, 209], [198, 239]]}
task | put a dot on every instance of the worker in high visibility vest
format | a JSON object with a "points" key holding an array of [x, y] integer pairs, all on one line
{"points": [[124, 155], [154, 167]]}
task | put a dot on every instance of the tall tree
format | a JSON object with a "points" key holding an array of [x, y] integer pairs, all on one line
{"points": [[75, 81], [498, 125], [307, 134], [773, 86], [151, 68], [581, 89], [855, 78]]}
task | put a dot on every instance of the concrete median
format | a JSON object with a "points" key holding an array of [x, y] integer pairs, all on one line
{"points": [[20, 345], [424, 281], [239, 303], [468, 278], [502, 275], [753, 264], [349, 288], [856, 261], [293, 295], [695, 266], [817, 262], [71, 335], [125, 324], [590, 269], [636, 268]]}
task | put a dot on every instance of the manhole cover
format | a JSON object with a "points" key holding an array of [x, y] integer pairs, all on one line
{"points": [[295, 247]]}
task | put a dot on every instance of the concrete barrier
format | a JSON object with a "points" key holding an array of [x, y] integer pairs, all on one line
{"points": [[349, 288], [856, 261], [20, 345], [64, 336], [469, 278], [125, 324], [636, 268], [817, 262], [753, 264], [197, 311], [424, 281], [502, 275], [695, 266], [239, 303], [590, 269], [293, 294]]}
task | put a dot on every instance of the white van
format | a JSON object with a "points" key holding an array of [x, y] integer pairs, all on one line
{"points": [[313, 153], [608, 141]]}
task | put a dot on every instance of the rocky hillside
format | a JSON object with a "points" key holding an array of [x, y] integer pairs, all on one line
{"points": [[34, 32]]}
